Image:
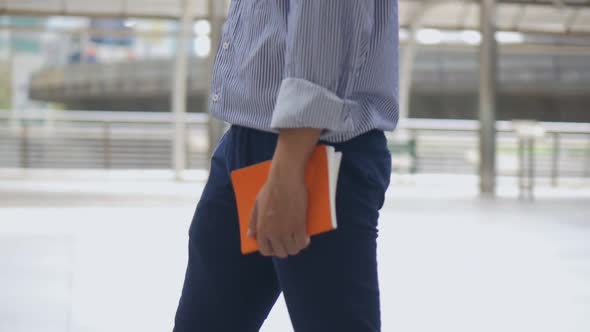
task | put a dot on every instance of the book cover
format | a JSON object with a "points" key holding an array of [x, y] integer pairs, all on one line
{"points": [[321, 178]]}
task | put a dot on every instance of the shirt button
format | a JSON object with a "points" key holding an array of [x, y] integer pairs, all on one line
{"points": [[225, 45], [215, 98]]}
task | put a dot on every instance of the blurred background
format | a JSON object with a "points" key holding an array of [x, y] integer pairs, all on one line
{"points": [[105, 139]]}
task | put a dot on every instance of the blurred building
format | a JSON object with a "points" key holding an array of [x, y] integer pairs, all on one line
{"points": [[549, 86], [543, 63]]}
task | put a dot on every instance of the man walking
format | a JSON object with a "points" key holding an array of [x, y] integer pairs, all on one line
{"points": [[290, 74]]}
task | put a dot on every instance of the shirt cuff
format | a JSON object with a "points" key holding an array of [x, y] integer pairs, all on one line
{"points": [[302, 104]]}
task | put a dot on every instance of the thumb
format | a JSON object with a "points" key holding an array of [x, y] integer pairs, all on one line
{"points": [[253, 219]]}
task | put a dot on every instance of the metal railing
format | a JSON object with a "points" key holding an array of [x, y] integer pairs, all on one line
{"points": [[95, 140], [139, 140], [451, 146]]}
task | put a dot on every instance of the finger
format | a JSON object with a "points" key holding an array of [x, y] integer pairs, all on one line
{"points": [[293, 247], [264, 246], [301, 239], [253, 222], [278, 247]]}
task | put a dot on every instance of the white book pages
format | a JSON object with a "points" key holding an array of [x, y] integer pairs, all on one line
{"points": [[334, 158]]}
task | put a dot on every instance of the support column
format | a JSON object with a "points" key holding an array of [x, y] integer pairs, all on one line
{"points": [[407, 66], [408, 60], [179, 87], [15, 122], [217, 12], [487, 94], [402, 134]]}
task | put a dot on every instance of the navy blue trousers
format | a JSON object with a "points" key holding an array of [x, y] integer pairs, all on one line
{"points": [[330, 286]]}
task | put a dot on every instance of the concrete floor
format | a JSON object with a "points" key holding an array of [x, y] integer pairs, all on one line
{"points": [[88, 253]]}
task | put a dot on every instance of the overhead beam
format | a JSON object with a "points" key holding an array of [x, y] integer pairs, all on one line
{"points": [[533, 49], [122, 13], [147, 33], [566, 3], [570, 33], [63, 11]]}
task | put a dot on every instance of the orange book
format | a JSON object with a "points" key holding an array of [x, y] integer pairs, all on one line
{"points": [[320, 177]]}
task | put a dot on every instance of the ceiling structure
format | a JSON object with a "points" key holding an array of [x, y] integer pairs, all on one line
{"points": [[549, 16], [535, 16]]}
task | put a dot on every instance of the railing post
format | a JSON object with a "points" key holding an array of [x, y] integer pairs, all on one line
{"points": [[187, 146], [414, 151], [521, 161], [24, 144], [531, 175], [555, 161], [106, 143]]}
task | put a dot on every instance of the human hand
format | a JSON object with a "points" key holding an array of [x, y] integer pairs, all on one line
{"points": [[279, 217]]}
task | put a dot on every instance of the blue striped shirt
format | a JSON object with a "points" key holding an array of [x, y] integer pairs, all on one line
{"points": [[327, 64]]}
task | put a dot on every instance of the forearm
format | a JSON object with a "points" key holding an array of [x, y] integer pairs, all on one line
{"points": [[294, 148], [325, 47]]}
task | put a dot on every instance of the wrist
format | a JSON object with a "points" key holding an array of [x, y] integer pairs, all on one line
{"points": [[287, 167], [294, 148]]}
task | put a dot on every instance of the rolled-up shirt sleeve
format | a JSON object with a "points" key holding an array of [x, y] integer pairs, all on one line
{"points": [[327, 43]]}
